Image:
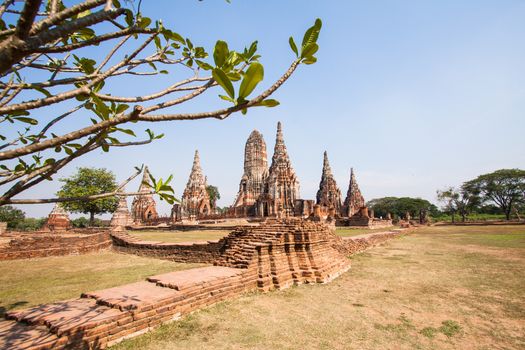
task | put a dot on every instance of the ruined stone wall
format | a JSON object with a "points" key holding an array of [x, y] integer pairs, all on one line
{"points": [[18, 245], [272, 256], [206, 252]]}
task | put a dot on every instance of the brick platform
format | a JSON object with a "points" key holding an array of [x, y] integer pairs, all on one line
{"points": [[272, 256], [42, 244]]}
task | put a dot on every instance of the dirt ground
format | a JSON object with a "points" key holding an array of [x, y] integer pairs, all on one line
{"points": [[438, 288]]}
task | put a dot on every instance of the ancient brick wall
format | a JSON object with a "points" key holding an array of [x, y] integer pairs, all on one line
{"points": [[206, 252], [36, 245], [273, 256]]}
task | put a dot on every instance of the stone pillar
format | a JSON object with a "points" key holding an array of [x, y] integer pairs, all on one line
{"points": [[364, 212]]}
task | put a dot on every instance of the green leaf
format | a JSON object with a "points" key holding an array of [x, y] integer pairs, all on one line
{"points": [[268, 103], [311, 35], [204, 65], [122, 107], [253, 76], [126, 131], [293, 46], [220, 53], [220, 77], [144, 22], [227, 98], [309, 60], [157, 42], [234, 76], [129, 17], [42, 90], [309, 50], [27, 120]]}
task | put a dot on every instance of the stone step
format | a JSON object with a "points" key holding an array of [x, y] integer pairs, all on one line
{"points": [[68, 317], [15, 335], [139, 296], [184, 280]]}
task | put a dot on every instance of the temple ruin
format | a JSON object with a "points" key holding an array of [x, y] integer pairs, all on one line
{"points": [[58, 220], [195, 199], [354, 200], [281, 187], [328, 195], [144, 207], [121, 217], [255, 173]]}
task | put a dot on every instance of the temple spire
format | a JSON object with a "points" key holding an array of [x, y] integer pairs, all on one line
{"points": [[145, 185], [327, 171], [196, 162], [280, 154]]}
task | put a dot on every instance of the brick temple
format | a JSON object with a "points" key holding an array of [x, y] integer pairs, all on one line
{"points": [[328, 195], [255, 174], [195, 199], [144, 207], [281, 187]]}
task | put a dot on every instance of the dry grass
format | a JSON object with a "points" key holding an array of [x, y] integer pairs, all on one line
{"points": [[439, 288], [180, 236], [25, 283], [349, 232]]}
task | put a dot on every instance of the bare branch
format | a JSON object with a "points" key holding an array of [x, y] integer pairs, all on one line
{"points": [[95, 40], [56, 120], [111, 53], [65, 14], [86, 198], [26, 19], [173, 88], [79, 91]]}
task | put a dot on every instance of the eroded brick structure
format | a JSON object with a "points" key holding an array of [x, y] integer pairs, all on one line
{"points": [[281, 187], [121, 217], [354, 199], [144, 207], [328, 194], [275, 255], [195, 199], [58, 220], [255, 173]]}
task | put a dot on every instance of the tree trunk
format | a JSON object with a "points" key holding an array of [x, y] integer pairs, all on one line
{"points": [[507, 214], [91, 218], [453, 217], [463, 217]]}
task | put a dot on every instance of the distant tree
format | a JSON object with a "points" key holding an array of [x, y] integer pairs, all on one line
{"points": [[11, 215], [87, 182], [459, 200], [504, 187], [213, 192], [400, 206], [59, 62]]}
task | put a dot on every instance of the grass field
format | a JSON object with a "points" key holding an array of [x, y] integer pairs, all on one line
{"points": [[25, 283], [349, 232], [180, 236], [438, 288]]}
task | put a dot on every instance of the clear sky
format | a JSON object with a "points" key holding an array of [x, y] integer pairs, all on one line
{"points": [[415, 95]]}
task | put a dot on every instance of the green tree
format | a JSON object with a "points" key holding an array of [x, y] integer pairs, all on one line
{"points": [[461, 201], [59, 62], [11, 215], [87, 182], [400, 206], [213, 192], [504, 187]]}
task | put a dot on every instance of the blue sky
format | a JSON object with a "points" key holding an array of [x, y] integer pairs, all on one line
{"points": [[415, 95]]}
